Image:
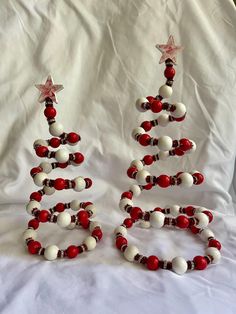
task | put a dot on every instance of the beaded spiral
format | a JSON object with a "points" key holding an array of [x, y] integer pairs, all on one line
{"points": [[196, 219], [58, 214]]}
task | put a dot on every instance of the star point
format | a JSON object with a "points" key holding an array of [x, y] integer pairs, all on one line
{"points": [[48, 90], [169, 50]]}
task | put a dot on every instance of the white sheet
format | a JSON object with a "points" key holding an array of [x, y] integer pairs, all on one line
{"points": [[104, 54]]}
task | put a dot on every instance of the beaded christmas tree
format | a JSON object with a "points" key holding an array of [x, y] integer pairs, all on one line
{"points": [[196, 219], [58, 214]]}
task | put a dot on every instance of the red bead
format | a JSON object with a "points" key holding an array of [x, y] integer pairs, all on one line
{"points": [[35, 170], [156, 106], [169, 73], [209, 214], [144, 139], [163, 181], [85, 224], [189, 210], [158, 209], [199, 177], [152, 262], [194, 229], [72, 251], [43, 215], [128, 195], [200, 262], [97, 232], [180, 119], [148, 186], [178, 152], [50, 112], [185, 144], [148, 160], [60, 207], [54, 142], [214, 243], [73, 137], [36, 196], [85, 204], [41, 151], [182, 222], [34, 247], [120, 241], [150, 98], [146, 125], [62, 165], [88, 182], [136, 213], [33, 223], [83, 216], [131, 171], [128, 222], [59, 184], [79, 158]]}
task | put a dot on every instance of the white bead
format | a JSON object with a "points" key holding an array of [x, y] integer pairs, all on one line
{"points": [[186, 179], [39, 178], [192, 150], [180, 110], [40, 143], [75, 205], [179, 265], [163, 155], [165, 91], [174, 210], [130, 252], [29, 233], [214, 253], [90, 242], [51, 252], [163, 119], [121, 230], [138, 164], [93, 225], [157, 219], [200, 209], [141, 177], [135, 189], [206, 234], [46, 166], [49, 190], [137, 131], [203, 220], [63, 219], [31, 205], [144, 224], [56, 129], [165, 143], [139, 103], [125, 201], [62, 155], [80, 184], [91, 208]]}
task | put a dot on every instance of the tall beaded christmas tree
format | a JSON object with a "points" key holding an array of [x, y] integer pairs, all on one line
{"points": [[59, 213], [195, 219]]}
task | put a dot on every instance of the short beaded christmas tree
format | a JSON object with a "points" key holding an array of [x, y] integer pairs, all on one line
{"points": [[58, 214], [196, 219]]}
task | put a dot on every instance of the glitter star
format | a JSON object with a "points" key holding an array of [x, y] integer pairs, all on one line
{"points": [[48, 90], [169, 50]]}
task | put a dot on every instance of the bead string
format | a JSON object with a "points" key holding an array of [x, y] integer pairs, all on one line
{"points": [[189, 217], [58, 214], [178, 264]]}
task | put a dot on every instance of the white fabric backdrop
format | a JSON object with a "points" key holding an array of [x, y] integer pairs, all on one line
{"points": [[104, 54]]}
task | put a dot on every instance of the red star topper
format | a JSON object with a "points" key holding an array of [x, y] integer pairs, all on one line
{"points": [[169, 50], [48, 90]]}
